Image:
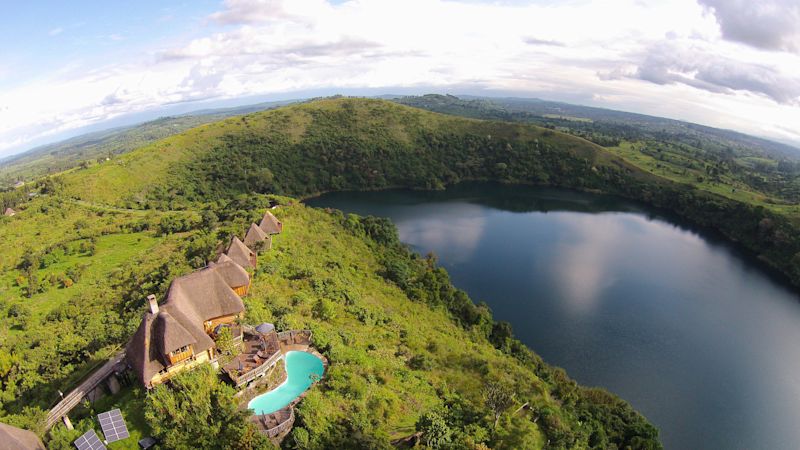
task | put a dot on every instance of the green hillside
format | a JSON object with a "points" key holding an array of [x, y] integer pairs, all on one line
{"points": [[337, 144], [80, 256], [408, 351], [727, 163], [343, 143]]}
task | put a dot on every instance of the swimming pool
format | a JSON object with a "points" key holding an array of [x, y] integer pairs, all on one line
{"points": [[300, 368]]}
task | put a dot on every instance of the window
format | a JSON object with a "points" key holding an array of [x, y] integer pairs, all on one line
{"points": [[183, 349], [180, 354]]}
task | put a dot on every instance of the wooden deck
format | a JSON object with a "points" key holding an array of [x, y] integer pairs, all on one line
{"points": [[259, 355], [275, 425], [295, 337]]}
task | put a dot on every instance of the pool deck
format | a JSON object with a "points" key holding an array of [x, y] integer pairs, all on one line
{"points": [[278, 424], [275, 425], [258, 356]]}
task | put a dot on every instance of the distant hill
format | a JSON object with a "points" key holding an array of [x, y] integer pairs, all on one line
{"points": [[60, 156], [615, 124], [605, 127], [746, 193], [333, 144], [721, 160], [357, 144]]}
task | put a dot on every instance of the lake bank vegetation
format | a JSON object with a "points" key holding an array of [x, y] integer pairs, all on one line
{"points": [[412, 357]]}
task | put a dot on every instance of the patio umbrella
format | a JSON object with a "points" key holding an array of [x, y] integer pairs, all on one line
{"points": [[265, 328]]}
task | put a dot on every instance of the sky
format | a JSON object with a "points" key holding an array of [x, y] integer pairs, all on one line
{"points": [[66, 67]]}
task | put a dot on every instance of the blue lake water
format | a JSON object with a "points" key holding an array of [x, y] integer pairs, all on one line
{"points": [[300, 368], [695, 335]]}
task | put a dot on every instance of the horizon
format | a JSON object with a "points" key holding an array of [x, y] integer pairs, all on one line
{"points": [[135, 120], [85, 68]]}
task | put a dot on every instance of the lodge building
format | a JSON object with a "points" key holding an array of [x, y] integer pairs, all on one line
{"points": [[179, 334]]}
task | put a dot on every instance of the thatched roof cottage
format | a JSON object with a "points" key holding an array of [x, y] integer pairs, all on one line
{"points": [[13, 438], [270, 224], [241, 254], [176, 335], [255, 236], [233, 274]]}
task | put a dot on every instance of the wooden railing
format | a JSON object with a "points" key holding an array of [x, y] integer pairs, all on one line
{"points": [[75, 397], [258, 371], [281, 427], [295, 337]]}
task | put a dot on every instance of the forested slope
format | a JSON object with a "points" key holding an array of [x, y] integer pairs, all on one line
{"points": [[409, 352], [80, 256], [344, 143]]}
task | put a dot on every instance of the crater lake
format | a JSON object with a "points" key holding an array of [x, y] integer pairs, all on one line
{"points": [[694, 333]]}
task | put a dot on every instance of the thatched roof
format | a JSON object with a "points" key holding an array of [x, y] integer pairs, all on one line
{"points": [[171, 335], [191, 300], [205, 294], [254, 235], [9, 212], [13, 438], [234, 275], [270, 224], [240, 254]]}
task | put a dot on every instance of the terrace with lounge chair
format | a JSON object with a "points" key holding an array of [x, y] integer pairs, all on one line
{"points": [[275, 425], [260, 352]]}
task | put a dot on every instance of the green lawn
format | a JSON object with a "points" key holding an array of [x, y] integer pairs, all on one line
{"points": [[568, 118], [111, 252]]}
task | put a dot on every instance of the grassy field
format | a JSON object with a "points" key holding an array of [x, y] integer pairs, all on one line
{"points": [[681, 169], [568, 118], [111, 252]]}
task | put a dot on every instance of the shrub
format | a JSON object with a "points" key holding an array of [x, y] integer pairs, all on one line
{"points": [[436, 433], [324, 309]]}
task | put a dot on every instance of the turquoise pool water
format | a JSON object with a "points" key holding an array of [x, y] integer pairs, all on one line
{"points": [[300, 366]]}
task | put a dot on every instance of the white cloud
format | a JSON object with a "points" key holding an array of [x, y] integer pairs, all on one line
{"points": [[668, 58], [766, 24], [55, 31], [702, 68]]}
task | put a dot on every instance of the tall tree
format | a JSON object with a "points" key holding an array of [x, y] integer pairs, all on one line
{"points": [[196, 410], [498, 398]]}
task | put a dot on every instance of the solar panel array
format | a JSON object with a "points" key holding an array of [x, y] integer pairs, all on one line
{"points": [[113, 425], [89, 441]]}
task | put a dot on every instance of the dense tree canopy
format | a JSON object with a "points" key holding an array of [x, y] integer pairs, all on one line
{"points": [[198, 411]]}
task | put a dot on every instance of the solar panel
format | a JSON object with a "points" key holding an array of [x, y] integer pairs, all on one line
{"points": [[113, 425], [89, 441]]}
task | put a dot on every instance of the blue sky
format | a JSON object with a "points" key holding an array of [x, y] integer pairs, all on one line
{"points": [[40, 38], [66, 67]]}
